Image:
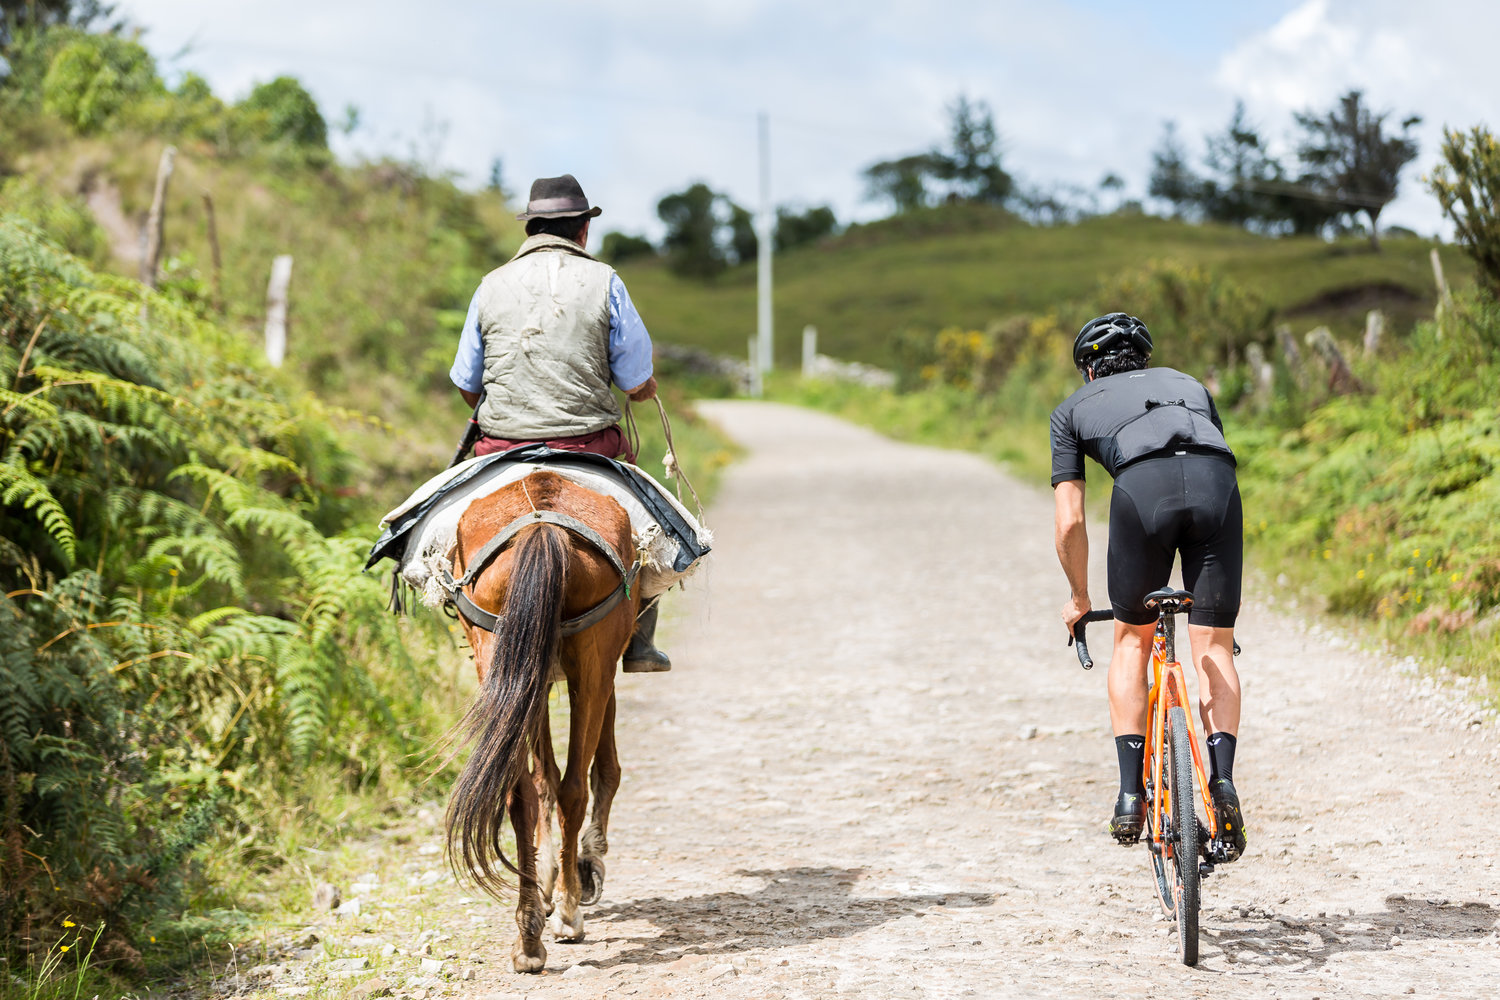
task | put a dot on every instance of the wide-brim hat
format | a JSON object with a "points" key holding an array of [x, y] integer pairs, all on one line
{"points": [[557, 198]]}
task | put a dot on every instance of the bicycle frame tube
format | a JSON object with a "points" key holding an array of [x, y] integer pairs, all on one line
{"points": [[1169, 690]]}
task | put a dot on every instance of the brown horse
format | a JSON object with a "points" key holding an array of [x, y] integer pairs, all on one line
{"points": [[545, 581]]}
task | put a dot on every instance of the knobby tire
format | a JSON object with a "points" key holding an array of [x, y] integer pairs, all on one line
{"points": [[1185, 825]]}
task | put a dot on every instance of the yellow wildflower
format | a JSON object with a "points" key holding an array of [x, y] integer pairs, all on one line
{"points": [[69, 923], [66, 947], [1416, 553], [1327, 553], [1453, 578], [1360, 575]]}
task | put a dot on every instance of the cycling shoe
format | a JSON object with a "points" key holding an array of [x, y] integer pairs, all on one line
{"points": [[1128, 819], [1230, 843]]}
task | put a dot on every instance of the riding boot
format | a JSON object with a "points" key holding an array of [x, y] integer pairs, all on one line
{"points": [[642, 656]]}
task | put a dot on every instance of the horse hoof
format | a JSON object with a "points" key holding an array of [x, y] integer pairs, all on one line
{"points": [[521, 961], [590, 881], [564, 931]]}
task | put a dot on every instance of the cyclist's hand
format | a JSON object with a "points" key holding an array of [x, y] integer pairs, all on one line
{"points": [[1075, 609]]}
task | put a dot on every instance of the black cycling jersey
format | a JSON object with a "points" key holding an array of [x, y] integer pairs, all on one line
{"points": [[1121, 418]]}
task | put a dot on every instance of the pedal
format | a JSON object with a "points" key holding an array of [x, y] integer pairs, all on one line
{"points": [[1205, 869]]}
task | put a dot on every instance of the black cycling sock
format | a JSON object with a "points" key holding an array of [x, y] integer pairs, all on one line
{"points": [[1221, 756], [1131, 749]]}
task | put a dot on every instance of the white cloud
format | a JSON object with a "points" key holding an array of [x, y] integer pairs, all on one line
{"points": [[638, 99], [1433, 59]]}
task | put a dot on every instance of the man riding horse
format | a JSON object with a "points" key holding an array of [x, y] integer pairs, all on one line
{"points": [[546, 335]]}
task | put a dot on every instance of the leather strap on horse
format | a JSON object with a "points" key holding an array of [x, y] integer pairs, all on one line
{"points": [[483, 619]]}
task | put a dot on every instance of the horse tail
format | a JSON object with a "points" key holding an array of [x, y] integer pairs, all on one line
{"points": [[509, 706]]}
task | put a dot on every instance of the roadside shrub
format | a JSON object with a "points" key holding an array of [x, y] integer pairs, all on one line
{"points": [[185, 626], [67, 221], [94, 79], [283, 111], [1197, 318], [1467, 185]]}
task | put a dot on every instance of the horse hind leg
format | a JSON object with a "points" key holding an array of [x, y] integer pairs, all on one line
{"points": [[587, 711], [527, 954], [604, 781], [545, 778]]}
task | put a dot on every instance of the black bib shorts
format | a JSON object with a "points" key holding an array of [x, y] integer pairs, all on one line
{"points": [[1188, 503]]}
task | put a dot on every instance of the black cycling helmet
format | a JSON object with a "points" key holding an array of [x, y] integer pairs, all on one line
{"points": [[1109, 334]]}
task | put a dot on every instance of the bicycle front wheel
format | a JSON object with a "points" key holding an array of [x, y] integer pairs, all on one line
{"points": [[1184, 826]]}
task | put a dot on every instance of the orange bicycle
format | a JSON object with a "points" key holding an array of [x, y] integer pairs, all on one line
{"points": [[1183, 850]]}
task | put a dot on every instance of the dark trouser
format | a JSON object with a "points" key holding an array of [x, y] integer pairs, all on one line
{"points": [[609, 442]]}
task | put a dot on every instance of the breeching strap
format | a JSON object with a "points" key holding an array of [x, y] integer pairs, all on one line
{"points": [[481, 618]]}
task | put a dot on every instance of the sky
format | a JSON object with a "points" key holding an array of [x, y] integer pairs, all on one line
{"points": [[640, 99]]}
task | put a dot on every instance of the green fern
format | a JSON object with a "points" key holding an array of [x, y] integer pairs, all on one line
{"points": [[217, 615]]}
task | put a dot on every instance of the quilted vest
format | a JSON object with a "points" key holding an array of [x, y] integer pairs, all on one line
{"points": [[544, 317]]}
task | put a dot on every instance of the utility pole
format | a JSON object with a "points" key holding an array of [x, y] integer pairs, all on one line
{"points": [[763, 262]]}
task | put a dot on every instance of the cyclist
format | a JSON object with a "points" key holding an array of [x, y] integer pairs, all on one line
{"points": [[1157, 433]]}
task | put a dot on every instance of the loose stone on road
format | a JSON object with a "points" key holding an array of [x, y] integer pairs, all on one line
{"points": [[875, 770]]}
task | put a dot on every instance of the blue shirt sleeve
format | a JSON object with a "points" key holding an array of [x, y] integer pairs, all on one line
{"points": [[468, 364], [629, 343]]}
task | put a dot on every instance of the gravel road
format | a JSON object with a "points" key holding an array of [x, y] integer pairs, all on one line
{"points": [[875, 770]]}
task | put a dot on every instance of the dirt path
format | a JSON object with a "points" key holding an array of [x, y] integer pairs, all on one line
{"points": [[876, 771]]}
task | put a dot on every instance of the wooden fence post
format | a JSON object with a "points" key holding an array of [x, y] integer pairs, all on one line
{"points": [[1341, 379], [809, 350], [156, 221], [217, 288], [276, 309], [1292, 354], [1445, 297], [1374, 329], [1262, 373]]}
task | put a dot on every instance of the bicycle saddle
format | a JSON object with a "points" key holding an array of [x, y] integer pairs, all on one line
{"points": [[1179, 600]]}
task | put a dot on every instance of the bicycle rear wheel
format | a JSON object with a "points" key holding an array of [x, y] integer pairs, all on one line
{"points": [[1184, 826]]}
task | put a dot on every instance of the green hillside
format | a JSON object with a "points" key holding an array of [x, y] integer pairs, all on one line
{"points": [[864, 288]]}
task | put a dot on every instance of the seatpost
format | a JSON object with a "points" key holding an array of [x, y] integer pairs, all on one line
{"points": [[1168, 625]]}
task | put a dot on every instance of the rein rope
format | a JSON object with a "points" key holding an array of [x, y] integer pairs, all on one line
{"points": [[673, 469]]}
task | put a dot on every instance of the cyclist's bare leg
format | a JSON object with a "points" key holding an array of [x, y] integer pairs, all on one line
{"points": [[1219, 706], [1127, 678], [1218, 682], [1127, 715]]}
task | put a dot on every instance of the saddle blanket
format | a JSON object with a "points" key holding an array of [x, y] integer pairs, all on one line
{"points": [[421, 533]]}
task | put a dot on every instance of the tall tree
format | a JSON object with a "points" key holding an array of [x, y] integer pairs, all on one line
{"points": [[904, 181], [971, 164], [1241, 171], [795, 228], [692, 242], [744, 244], [1352, 160], [618, 246], [1172, 179]]}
